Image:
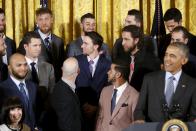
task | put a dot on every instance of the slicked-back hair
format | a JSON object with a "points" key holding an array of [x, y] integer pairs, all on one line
{"points": [[28, 36], [137, 14], [181, 29], [96, 38], [122, 67], [173, 14], [41, 11], [87, 15], [184, 48], [2, 11], [12, 103]]}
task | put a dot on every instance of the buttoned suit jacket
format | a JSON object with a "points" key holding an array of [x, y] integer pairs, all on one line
{"points": [[10, 89], [11, 47], [45, 75], [55, 57], [74, 48], [94, 84], [122, 115], [66, 107], [152, 104]]}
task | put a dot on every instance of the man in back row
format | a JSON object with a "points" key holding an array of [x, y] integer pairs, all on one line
{"points": [[52, 47], [87, 24]]}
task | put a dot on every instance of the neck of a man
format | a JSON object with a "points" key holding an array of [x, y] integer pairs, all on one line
{"points": [[93, 55], [32, 58], [133, 52], [119, 82]]}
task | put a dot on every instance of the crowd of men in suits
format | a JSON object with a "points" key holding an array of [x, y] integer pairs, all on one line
{"points": [[87, 88]]}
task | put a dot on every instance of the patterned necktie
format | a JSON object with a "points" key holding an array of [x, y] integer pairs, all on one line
{"points": [[22, 90], [113, 101], [34, 73], [131, 67], [170, 90], [47, 43], [91, 62]]}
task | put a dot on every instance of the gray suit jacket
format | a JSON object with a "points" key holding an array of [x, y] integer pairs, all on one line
{"points": [[122, 115], [152, 104], [74, 48], [45, 75]]}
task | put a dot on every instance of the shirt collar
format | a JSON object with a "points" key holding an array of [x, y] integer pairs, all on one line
{"points": [[16, 81], [44, 36], [29, 61], [122, 87], [70, 83], [94, 60], [177, 75]]}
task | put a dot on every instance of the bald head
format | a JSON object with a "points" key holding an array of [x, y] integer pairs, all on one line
{"points": [[18, 67], [70, 66]]}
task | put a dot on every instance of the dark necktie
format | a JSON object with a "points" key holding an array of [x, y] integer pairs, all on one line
{"points": [[169, 90], [22, 90], [113, 101], [91, 62], [47, 43], [34, 73]]}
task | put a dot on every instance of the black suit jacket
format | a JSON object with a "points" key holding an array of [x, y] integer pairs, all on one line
{"points": [[152, 104], [55, 56], [9, 88], [11, 47], [67, 108], [3, 71]]}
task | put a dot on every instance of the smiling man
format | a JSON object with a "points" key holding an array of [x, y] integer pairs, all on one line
{"points": [[168, 94]]}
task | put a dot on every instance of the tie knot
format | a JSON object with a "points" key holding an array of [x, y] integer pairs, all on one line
{"points": [[172, 78], [46, 39], [21, 85], [91, 62], [115, 91], [32, 63]]}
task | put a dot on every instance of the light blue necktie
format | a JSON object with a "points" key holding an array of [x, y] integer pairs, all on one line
{"points": [[22, 90], [170, 90]]}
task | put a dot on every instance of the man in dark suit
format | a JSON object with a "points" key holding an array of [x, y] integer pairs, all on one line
{"points": [[134, 17], [52, 50], [92, 77], [168, 94], [40, 72], [172, 19], [64, 100], [3, 66], [16, 85], [140, 60], [87, 24], [11, 45], [117, 101]]}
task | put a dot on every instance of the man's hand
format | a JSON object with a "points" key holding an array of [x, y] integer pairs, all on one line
{"points": [[89, 110], [139, 122]]}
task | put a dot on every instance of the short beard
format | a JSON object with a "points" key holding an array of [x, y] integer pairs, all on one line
{"points": [[18, 76]]}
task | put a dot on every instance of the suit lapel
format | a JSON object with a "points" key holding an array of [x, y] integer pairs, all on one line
{"points": [[86, 66], [99, 67], [122, 99], [161, 85], [181, 88]]}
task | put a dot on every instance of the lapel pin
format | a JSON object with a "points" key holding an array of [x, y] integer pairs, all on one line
{"points": [[183, 86]]}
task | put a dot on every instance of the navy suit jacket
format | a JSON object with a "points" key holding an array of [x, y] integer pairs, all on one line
{"points": [[9, 88], [88, 86]]}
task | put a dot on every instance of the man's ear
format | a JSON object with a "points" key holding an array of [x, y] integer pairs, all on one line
{"points": [[25, 46], [184, 61]]}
